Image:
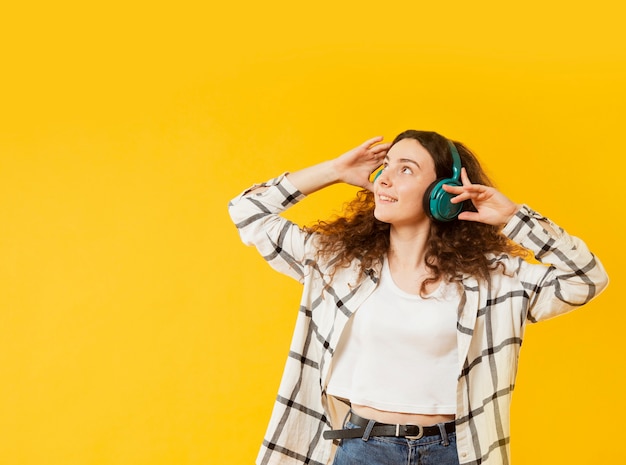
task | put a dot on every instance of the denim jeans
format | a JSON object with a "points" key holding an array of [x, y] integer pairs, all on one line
{"points": [[379, 450]]}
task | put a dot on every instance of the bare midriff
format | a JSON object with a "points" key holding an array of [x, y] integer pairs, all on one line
{"points": [[383, 416]]}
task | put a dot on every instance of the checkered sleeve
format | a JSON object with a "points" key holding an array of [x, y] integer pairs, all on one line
{"points": [[569, 274], [257, 217], [294, 433]]}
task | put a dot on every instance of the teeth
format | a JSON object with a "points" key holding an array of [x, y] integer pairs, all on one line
{"points": [[386, 199]]}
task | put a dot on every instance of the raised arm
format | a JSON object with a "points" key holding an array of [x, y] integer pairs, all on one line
{"points": [[353, 167], [256, 211], [570, 275]]}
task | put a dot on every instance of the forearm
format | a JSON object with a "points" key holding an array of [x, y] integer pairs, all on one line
{"points": [[308, 180], [314, 178], [573, 275]]}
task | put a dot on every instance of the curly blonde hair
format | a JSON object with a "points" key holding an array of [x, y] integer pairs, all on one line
{"points": [[453, 248]]}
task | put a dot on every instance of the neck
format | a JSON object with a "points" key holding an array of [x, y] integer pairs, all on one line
{"points": [[407, 247]]}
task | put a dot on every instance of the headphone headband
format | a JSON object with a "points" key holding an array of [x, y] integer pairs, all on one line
{"points": [[456, 161]]}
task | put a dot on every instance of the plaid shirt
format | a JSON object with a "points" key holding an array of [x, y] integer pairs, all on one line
{"points": [[491, 321]]}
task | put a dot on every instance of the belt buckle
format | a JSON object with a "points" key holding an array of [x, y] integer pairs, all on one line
{"points": [[408, 429]]}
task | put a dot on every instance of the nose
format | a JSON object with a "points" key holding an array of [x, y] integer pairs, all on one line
{"points": [[384, 177]]}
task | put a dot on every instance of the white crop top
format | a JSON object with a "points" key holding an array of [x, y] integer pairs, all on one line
{"points": [[399, 351]]}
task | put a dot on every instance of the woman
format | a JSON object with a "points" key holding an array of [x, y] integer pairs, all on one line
{"points": [[413, 308]]}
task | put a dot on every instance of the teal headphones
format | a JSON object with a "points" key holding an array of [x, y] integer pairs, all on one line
{"points": [[437, 202]]}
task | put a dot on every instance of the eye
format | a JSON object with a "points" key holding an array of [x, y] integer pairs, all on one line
{"points": [[406, 170]]}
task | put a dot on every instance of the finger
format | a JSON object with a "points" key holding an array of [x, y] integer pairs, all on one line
{"points": [[368, 143], [453, 189], [465, 178], [473, 190], [458, 191], [469, 216], [381, 148], [460, 198]]}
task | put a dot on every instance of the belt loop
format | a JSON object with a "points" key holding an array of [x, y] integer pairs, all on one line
{"points": [[338, 442], [444, 434], [368, 429], [345, 419]]}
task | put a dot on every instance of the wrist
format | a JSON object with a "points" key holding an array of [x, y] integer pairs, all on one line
{"points": [[335, 171], [514, 209]]}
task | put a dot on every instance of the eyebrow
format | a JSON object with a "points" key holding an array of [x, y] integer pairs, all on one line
{"points": [[404, 160]]}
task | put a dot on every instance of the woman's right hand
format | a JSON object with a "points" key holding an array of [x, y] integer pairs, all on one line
{"points": [[356, 166], [353, 167]]}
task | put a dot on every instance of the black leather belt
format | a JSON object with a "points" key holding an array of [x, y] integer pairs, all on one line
{"points": [[385, 429]]}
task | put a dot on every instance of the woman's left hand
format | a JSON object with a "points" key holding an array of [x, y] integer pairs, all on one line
{"points": [[493, 206]]}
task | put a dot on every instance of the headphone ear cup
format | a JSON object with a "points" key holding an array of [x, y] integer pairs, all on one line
{"points": [[426, 199], [437, 202]]}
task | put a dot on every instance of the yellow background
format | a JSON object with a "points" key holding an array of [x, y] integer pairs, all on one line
{"points": [[134, 326]]}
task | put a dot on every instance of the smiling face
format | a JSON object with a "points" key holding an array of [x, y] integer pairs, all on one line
{"points": [[408, 171]]}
